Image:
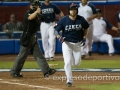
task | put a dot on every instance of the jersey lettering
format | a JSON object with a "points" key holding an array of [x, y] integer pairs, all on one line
{"points": [[73, 27], [47, 10]]}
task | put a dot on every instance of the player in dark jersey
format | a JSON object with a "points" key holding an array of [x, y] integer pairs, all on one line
{"points": [[74, 32], [29, 42], [49, 11]]}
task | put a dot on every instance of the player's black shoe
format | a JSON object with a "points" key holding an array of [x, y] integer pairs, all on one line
{"points": [[111, 54], [90, 53], [52, 58], [47, 59], [16, 75], [83, 56], [50, 72], [69, 84]]}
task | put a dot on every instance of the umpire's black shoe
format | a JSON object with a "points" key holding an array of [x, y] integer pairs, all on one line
{"points": [[50, 72], [90, 53], [16, 75]]}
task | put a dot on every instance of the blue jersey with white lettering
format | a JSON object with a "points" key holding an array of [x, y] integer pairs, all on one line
{"points": [[48, 12], [73, 31]]}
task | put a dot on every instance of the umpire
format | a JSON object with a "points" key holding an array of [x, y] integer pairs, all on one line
{"points": [[29, 42]]}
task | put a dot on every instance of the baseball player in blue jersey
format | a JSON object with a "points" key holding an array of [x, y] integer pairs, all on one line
{"points": [[74, 32], [88, 11], [100, 34], [49, 11]]}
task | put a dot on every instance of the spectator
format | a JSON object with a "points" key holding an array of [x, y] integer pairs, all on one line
{"points": [[100, 34], [12, 25]]}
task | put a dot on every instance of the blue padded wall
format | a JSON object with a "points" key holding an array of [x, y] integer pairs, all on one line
{"points": [[7, 46], [15, 35], [17, 46], [103, 47], [117, 45], [95, 47], [58, 46], [12, 46]]}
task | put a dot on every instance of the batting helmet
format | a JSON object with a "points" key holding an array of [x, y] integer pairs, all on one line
{"points": [[72, 6]]}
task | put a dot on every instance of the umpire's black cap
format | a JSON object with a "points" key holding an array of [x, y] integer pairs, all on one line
{"points": [[35, 2]]}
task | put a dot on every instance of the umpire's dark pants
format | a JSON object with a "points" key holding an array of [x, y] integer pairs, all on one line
{"points": [[35, 49]]}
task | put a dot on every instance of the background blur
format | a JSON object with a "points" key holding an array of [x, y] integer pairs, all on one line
{"points": [[110, 9]]}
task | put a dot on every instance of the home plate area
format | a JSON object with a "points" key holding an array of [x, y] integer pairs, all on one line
{"points": [[34, 80]]}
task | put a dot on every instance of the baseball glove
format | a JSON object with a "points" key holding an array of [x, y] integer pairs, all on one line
{"points": [[82, 42], [61, 39]]}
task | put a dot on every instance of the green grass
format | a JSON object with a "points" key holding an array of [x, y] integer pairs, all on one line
{"points": [[113, 86], [84, 64]]}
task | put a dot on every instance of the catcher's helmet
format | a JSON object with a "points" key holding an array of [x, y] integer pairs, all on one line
{"points": [[35, 2], [72, 6]]}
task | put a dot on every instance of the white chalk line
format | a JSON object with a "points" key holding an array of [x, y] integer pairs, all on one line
{"points": [[33, 86], [76, 70]]}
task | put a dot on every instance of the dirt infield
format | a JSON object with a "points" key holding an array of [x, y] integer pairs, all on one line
{"points": [[36, 81]]}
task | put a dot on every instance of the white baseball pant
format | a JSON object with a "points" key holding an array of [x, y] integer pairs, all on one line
{"points": [[48, 38], [72, 57], [105, 38], [88, 44]]}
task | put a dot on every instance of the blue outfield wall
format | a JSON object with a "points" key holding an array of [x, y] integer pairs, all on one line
{"points": [[12, 46]]}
